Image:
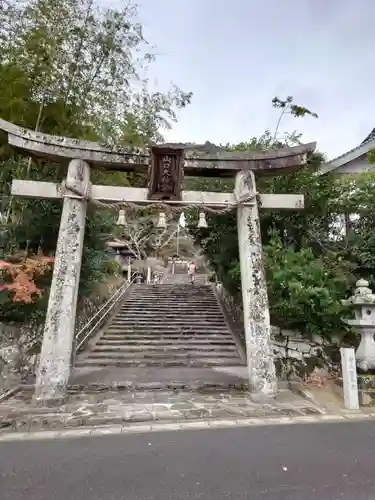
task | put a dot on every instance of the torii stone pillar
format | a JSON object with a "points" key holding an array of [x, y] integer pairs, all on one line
{"points": [[55, 358], [260, 363]]}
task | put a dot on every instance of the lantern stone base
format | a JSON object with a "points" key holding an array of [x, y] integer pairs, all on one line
{"points": [[366, 390]]}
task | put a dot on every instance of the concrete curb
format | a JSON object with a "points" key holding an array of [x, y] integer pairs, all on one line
{"points": [[180, 426]]}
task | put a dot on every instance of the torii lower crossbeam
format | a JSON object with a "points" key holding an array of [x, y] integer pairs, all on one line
{"points": [[50, 190]]}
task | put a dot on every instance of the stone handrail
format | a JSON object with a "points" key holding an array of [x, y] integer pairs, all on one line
{"points": [[233, 310]]}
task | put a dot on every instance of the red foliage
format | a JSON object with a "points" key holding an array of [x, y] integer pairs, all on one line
{"points": [[4, 264], [23, 276]]}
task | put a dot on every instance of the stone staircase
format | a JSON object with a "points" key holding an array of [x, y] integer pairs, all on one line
{"points": [[184, 279], [171, 324]]}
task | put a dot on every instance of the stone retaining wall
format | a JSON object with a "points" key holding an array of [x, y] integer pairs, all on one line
{"points": [[20, 343], [294, 353], [19, 347]]}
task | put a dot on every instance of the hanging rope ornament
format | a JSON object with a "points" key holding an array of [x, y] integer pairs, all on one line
{"points": [[202, 223], [171, 209], [121, 221], [162, 223]]}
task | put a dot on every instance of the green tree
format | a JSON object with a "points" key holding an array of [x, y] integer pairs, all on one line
{"points": [[73, 68], [287, 106]]}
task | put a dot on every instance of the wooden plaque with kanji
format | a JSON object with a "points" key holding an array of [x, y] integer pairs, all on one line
{"points": [[165, 174]]}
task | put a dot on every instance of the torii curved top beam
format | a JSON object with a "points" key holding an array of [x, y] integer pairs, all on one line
{"points": [[196, 162]]}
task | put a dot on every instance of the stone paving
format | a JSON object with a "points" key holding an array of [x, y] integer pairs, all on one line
{"points": [[105, 407]]}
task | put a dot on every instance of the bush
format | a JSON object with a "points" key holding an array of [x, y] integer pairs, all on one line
{"points": [[305, 291]]}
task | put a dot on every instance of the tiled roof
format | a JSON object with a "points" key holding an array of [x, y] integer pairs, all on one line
{"points": [[349, 155], [370, 137]]}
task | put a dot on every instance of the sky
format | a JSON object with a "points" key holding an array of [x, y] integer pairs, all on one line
{"points": [[235, 56]]}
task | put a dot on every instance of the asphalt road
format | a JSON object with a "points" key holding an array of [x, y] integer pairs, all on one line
{"points": [[304, 462]]}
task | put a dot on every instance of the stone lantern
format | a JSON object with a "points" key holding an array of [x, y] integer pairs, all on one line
{"points": [[363, 303]]}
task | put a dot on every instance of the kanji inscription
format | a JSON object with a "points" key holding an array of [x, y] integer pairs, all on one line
{"points": [[165, 174]]}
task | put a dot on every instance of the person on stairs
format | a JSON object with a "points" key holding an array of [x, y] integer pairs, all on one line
{"points": [[191, 271]]}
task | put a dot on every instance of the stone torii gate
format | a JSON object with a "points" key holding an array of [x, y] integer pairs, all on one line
{"points": [[167, 165]]}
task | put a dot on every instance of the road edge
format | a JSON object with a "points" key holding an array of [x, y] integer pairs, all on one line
{"points": [[180, 426]]}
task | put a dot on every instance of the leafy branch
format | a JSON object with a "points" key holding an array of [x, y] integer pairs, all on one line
{"points": [[287, 107]]}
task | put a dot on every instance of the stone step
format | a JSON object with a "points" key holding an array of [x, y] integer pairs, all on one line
{"points": [[165, 324], [159, 355], [173, 310], [197, 300], [167, 330], [161, 323], [170, 311], [154, 306], [177, 286], [180, 338], [171, 330], [127, 337], [166, 303], [184, 280], [166, 333], [163, 332], [164, 342], [158, 319], [159, 332], [171, 362], [187, 291], [173, 290], [145, 344], [146, 347], [163, 348], [177, 296], [162, 360], [155, 303]]}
